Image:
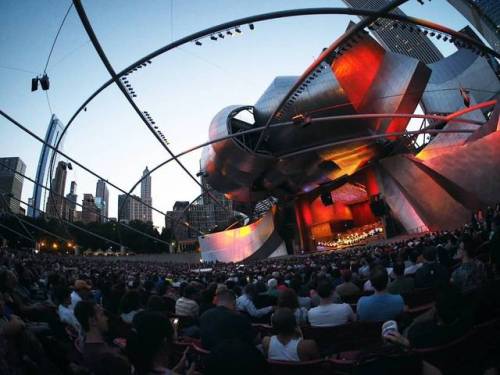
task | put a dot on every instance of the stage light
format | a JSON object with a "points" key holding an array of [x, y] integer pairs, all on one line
{"points": [[438, 36], [34, 84], [426, 32], [198, 43], [251, 26], [421, 2], [221, 35], [228, 32], [44, 81], [213, 37], [432, 33], [237, 29], [445, 38]]}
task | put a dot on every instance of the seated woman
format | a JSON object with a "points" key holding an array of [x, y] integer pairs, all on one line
{"points": [[288, 299], [288, 344]]}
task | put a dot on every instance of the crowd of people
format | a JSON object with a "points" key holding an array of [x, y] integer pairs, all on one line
{"points": [[79, 315]]}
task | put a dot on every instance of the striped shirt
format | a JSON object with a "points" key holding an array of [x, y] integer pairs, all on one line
{"points": [[186, 307]]}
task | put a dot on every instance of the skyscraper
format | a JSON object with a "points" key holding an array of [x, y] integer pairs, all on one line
{"points": [[130, 208], [56, 194], [102, 197], [396, 39], [70, 202], [11, 183], [146, 213], [484, 15], [90, 212], [42, 173]]}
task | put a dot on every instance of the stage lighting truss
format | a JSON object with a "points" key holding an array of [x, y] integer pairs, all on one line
{"points": [[221, 34]]}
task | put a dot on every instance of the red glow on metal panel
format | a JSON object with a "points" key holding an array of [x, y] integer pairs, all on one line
{"points": [[357, 68]]}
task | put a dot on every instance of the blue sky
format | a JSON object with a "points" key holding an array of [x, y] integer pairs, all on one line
{"points": [[182, 89]]}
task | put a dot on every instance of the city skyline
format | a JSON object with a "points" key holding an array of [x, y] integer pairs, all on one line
{"points": [[108, 136]]}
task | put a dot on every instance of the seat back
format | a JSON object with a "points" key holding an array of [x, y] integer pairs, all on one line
{"points": [[352, 336], [317, 367]]}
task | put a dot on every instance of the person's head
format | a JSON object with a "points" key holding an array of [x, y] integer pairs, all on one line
{"points": [[250, 290], [272, 284], [429, 254], [150, 342], [236, 357], [8, 280], [284, 322], [379, 278], [466, 247], [346, 275], [190, 292], [325, 290], [91, 317], [413, 256], [399, 269], [288, 298], [82, 288], [225, 298], [131, 301]]}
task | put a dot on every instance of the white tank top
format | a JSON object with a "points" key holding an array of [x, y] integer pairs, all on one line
{"points": [[279, 352]]}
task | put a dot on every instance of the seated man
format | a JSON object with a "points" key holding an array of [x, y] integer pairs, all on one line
{"points": [[432, 274], [287, 344], [402, 284], [224, 323], [447, 323], [380, 306], [413, 264], [329, 314], [347, 288], [187, 305], [471, 273], [66, 315], [245, 303], [98, 356]]}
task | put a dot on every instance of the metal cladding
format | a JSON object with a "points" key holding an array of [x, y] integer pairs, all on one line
{"points": [[362, 78]]}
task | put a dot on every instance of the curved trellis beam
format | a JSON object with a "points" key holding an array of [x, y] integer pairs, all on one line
{"points": [[266, 17], [450, 118]]}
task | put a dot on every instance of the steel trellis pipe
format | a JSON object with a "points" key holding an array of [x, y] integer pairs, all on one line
{"points": [[90, 32], [15, 232], [271, 16]]}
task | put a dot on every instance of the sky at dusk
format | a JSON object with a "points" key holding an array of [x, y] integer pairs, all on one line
{"points": [[182, 89]]}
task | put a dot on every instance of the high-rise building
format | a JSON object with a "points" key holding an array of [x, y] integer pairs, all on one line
{"points": [[70, 202], [130, 208], [56, 194], [484, 15], [396, 39], [11, 183], [102, 197], [42, 173], [90, 212], [146, 212]]}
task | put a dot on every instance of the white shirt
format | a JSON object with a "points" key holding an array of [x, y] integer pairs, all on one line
{"points": [[67, 316], [368, 287], [279, 352], [245, 304], [333, 314], [412, 268], [75, 298]]}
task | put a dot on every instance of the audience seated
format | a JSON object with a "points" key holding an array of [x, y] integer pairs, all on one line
{"points": [[328, 313], [98, 356], [66, 314], [471, 274], [347, 288], [287, 344], [381, 305], [245, 303], [432, 274], [223, 322], [187, 305], [288, 299], [401, 284], [81, 291]]}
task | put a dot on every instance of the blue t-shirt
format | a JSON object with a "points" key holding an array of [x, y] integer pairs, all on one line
{"points": [[379, 308]]}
